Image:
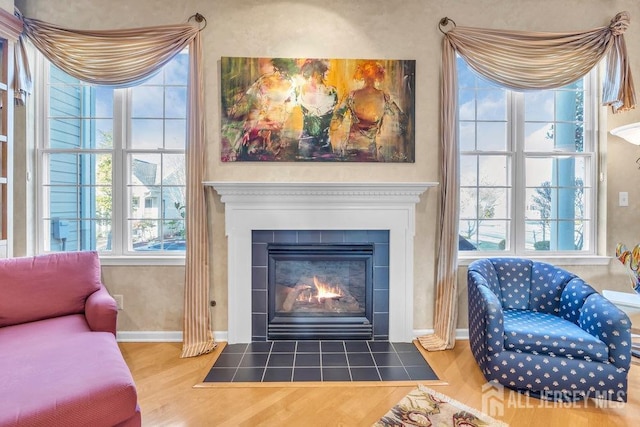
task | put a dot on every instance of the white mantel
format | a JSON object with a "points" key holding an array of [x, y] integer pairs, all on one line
{"points": [[320, 206]]}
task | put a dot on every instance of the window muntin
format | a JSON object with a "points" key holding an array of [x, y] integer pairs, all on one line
{"points": [[112, 164], [527, 168]]}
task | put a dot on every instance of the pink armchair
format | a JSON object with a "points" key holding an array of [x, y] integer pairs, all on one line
{"points": [[60, 364]]}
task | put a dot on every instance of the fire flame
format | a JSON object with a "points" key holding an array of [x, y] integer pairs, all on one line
{"points": [[326, 291]]}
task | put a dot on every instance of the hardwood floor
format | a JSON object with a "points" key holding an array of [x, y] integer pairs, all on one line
{"points": [[167, 397]]}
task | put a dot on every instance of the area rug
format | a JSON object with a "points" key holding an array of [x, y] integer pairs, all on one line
{"points": [[426, 407]]}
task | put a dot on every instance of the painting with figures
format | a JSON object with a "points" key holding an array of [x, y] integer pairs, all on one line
{"points": [[308, 109]]}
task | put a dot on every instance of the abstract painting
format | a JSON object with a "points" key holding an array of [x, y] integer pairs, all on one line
{"points": [[310, 109]]}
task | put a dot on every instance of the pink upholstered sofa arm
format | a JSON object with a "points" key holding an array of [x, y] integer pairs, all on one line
{"points": [[101, 311]]}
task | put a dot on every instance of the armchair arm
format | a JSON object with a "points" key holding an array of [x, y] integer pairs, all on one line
{"points": [[494, 318], [486, 318], [611, 325], [101, 311], [573, 297]]}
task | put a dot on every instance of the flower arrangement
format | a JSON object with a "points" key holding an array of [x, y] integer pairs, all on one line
{"points": [[631, 260]]}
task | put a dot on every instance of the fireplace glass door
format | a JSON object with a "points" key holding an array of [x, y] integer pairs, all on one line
{"points": [[320, 291]]}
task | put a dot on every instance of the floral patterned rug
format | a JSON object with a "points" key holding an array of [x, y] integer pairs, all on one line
{"points": [[425, 407]]}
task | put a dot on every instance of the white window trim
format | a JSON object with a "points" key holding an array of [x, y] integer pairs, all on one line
{"points": [[135, 259], [119, 214], [593, 257], [464, 259]]}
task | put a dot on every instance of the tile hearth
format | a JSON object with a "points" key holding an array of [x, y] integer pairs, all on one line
{"points": [[299, 361]]}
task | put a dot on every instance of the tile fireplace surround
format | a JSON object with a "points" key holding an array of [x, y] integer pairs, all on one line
{"points": [[253, 206]]}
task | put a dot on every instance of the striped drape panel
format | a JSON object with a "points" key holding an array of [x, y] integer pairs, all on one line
{"points": [[517, 60], [446, 305], [197, 337], [123, 58]]}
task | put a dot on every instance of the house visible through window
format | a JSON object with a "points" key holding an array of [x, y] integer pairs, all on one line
{"points": [[112, 163], [527, 167]]}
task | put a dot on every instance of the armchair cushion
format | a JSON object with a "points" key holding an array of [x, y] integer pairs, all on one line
{"points": [[547, 283], [515, 283], [60, 373], [56, 284], [541, 333]]}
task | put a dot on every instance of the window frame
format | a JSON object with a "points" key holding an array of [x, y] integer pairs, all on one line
{"points": [[515, 148], [121, 205]]}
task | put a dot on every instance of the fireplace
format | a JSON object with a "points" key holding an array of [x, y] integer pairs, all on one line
{"points": [[320, 291], [256, 207], [320, 284]]}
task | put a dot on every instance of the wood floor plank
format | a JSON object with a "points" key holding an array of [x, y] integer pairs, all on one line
{"points": [[167, 396]]}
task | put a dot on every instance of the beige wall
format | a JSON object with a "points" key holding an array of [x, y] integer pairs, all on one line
{"points": [[397, 29], [7, 5]]}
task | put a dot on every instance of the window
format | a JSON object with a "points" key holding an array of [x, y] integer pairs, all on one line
{"points": [[527, 167], [111, 163]]}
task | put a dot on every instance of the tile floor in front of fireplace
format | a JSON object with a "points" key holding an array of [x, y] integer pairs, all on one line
{"points": [[298, 361]]}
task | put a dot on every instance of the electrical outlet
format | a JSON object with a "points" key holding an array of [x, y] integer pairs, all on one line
{"points": [[119, 301], [623, 198]]}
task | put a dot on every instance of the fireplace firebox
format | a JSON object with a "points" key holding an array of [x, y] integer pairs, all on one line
{"points": [[355, 263], [320, 291]]}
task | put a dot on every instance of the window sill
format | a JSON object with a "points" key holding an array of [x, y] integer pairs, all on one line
{"points": [[142, 260], [464, 260]]}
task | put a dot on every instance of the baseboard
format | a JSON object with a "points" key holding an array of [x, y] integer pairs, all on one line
{"points": [[149, 336], [176, 336], [160, 336], [461, 334], [220, 336]]}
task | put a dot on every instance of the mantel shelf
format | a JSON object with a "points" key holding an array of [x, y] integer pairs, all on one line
{"points": [[320, 192]]}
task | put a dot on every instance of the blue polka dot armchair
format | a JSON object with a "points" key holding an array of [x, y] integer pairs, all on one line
{"points": [[537, 328]]}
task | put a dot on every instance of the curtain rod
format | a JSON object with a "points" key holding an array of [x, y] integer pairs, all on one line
{"points": [[198, 18], [444, 22]]}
